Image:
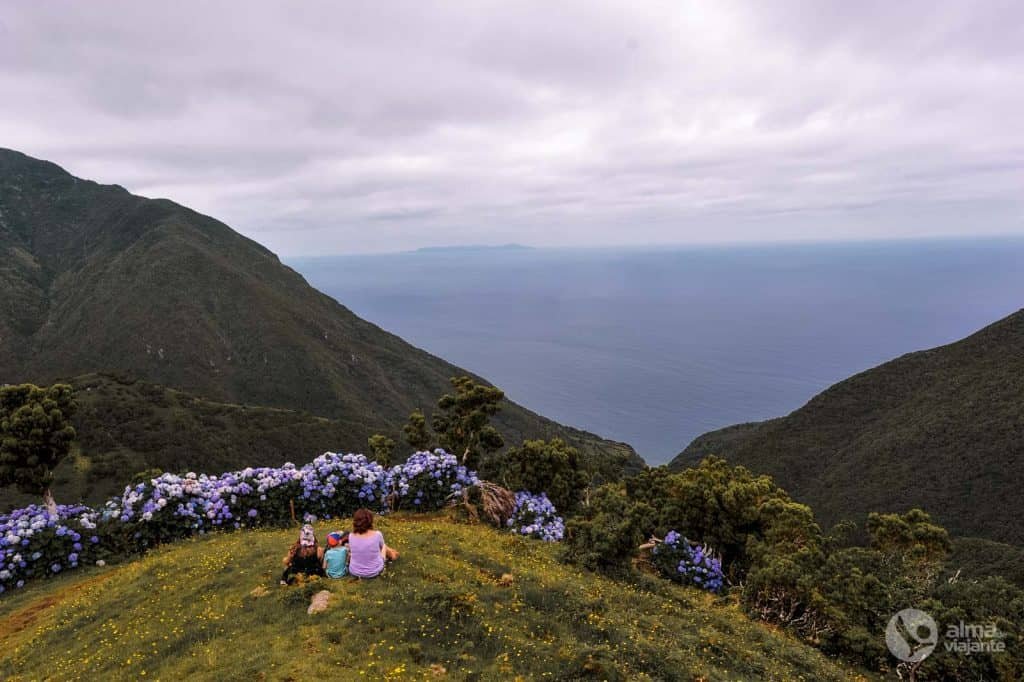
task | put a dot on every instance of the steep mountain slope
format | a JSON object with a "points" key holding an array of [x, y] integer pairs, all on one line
{"points": [[941, 429], [93, 278]]}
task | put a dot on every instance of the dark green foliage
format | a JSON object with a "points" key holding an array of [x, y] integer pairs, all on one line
{"points": [[35, 435], [766, 540], [842, 598], [912, 549], [989, 601], [145, 476], [851, 590], [552, 467], [416, 433], [976, 558], [462, 423], [836, 591], [94, 279], [941, 430], [727, 508], [126, 426], [382, 448], [715, 503], [783, 563], [605, 535]]}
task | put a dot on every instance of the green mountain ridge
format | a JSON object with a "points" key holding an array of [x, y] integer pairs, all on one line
{"points": [[95, 279], [940, 429]]}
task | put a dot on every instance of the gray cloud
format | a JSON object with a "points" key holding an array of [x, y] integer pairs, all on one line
{"points": [[322, 126]]}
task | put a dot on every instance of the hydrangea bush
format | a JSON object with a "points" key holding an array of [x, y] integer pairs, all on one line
{"points": [[33, 544], [535, 516], [335, 485], [172, 506], [428, 479], [683, 561]]}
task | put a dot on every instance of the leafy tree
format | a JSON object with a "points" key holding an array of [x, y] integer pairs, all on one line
{"points": [[382, 448], [840, 597], [991, 601], [785, 557], [910, 535], [463, 423], [35, 435], [605, 536], [601, 469], [416, 433], [858, 601], [739, 515], [551, 467], [912, 552], [713, 503]]}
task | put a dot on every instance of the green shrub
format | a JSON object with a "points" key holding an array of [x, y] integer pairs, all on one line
{"points": [[549, 466], [605, 536]]}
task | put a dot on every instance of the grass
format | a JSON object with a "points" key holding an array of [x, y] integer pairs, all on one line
{"points": [[194, 610]]}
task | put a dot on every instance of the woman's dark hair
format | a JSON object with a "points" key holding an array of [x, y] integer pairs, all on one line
{"points": [[362, 520], [298, 550]]}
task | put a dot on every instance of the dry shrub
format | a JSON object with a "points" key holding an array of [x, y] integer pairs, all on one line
{"points": [[487, 501]]}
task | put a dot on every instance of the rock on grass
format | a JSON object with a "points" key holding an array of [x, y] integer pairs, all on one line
{"points": [[319, 602]]}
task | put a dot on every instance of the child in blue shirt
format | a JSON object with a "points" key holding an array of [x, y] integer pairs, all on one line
{"points": [[336, 556]]}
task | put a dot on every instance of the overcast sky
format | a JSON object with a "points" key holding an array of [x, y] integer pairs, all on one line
{"points": [[381, 126]]}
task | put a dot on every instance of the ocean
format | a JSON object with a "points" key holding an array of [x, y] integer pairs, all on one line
{"points": [[656, 346]]}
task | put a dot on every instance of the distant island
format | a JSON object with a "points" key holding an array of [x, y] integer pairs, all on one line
{"points": [[473, 247]]}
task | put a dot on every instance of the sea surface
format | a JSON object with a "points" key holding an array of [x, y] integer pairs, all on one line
{"points": [[656, 346]]}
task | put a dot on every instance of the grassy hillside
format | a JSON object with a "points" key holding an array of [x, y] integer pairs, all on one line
{"points": [[194, 611], [95, 279], [941, 429]]}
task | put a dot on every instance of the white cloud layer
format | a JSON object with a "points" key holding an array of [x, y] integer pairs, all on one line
{"points": [[319, 127]]}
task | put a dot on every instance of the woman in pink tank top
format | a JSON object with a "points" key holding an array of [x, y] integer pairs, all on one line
{"points": [[366, 547]]}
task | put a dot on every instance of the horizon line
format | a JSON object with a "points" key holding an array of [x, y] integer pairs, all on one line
{"points": [[436, 249]]}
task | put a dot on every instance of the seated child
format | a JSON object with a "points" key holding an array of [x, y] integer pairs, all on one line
{"points": [[336, 556], [303, 557]]}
